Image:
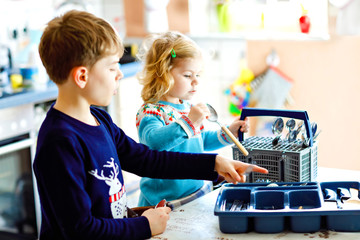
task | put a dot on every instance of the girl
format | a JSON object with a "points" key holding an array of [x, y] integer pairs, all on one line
{"points": [[173, 67]]}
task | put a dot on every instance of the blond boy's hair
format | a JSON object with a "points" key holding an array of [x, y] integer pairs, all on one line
{"points": [[76, 39], [160, 53]]}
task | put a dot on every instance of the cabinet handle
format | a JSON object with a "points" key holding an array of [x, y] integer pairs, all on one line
{"points": [[12, 147]]}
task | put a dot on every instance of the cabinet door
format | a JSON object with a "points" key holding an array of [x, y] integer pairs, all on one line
{"points": [[126, 104], [222, 68]]}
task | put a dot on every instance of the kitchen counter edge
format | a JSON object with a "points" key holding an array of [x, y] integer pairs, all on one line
{"points": [[50, 92]]}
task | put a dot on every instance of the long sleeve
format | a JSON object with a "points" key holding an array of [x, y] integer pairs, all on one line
{"points": [[68, 207], [155, 134], [78, 171], [215, 139]]}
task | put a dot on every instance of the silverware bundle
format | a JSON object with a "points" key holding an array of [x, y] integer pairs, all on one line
{"points": [[236, 205], [293, 131]]}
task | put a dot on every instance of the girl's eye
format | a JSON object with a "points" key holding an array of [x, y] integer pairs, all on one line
{"points": [[187, 76]]}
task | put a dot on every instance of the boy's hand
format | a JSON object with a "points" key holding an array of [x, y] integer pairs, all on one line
{"points": [[157, 219], [198, 113], [234, 171], [243, 125]]}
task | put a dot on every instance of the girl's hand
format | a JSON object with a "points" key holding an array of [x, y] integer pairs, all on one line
{"points": [[237, 124], [234, 171], [198, 113], [157, 219]]}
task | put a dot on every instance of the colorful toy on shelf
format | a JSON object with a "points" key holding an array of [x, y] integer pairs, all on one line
{"points": [[239, 91]]}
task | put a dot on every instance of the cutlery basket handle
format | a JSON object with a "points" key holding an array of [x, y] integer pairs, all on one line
{"points": [[296, 114]]}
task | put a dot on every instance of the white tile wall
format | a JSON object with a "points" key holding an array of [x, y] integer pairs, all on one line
{"points": [[113, 11], [222, 69]]}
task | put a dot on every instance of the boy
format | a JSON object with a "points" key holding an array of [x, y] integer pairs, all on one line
{"points": [[81, 152]]}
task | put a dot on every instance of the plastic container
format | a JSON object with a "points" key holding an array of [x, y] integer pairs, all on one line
{"points": [[298, 207], [287, 161]]}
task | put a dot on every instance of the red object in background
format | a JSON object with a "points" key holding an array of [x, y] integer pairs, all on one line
{"points": [[304, 21]]}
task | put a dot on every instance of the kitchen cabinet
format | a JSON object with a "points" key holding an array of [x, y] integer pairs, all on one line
{"points": [[126, 104], [222, 68]]}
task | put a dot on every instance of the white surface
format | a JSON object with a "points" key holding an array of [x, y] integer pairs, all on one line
{"points": [[196, 220]]}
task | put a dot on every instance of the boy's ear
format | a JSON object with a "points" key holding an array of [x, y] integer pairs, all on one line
{"points": [[80, 76]]}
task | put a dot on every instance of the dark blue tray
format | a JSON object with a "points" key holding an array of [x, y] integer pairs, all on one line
{"points": [[295, 206]]}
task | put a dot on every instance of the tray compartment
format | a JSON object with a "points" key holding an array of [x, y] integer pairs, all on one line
{"points": [[269, 224], [347, 221], [230, 221], [304, 200], [342, 220], [269, 200], [234, 224], [231, 195]]}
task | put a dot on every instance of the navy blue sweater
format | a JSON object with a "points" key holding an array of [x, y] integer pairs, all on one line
{"points": [[81, 187]]}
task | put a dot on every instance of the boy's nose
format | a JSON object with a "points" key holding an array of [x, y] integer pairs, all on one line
{"points": [[120, 75]]}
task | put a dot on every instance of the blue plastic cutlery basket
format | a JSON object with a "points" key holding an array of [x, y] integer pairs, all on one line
{"points": [[287, 161]]}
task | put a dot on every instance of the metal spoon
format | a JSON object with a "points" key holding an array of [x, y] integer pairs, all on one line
{"points": [[313, 128], [306, 141], [300, 127], [277, 128], [290, 125], [291, 136], [214, 118]]}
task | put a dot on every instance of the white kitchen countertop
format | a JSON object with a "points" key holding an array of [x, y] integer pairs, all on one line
{"points": [[196, 220]]}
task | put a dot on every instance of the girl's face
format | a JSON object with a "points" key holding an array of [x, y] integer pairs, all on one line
{"points": [[186, 73], [103, 81]]}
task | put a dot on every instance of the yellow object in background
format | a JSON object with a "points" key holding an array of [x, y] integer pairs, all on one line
{"points": [[16, 81], [224, 16]]}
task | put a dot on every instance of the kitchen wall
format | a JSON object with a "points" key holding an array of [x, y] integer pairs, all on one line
{"points": [[326, 85], [177, 11]]}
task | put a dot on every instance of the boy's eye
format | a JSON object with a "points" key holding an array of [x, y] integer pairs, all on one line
{"points": [[187, 75], [114, 69]]}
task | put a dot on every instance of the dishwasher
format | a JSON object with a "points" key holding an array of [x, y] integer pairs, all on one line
{"points": [[18, 200]]}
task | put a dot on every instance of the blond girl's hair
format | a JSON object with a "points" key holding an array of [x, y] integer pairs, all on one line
{"points": [[160, 53]]}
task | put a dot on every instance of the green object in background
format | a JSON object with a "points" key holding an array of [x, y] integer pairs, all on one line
{"points": [[234, 110], [224, 17]]}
